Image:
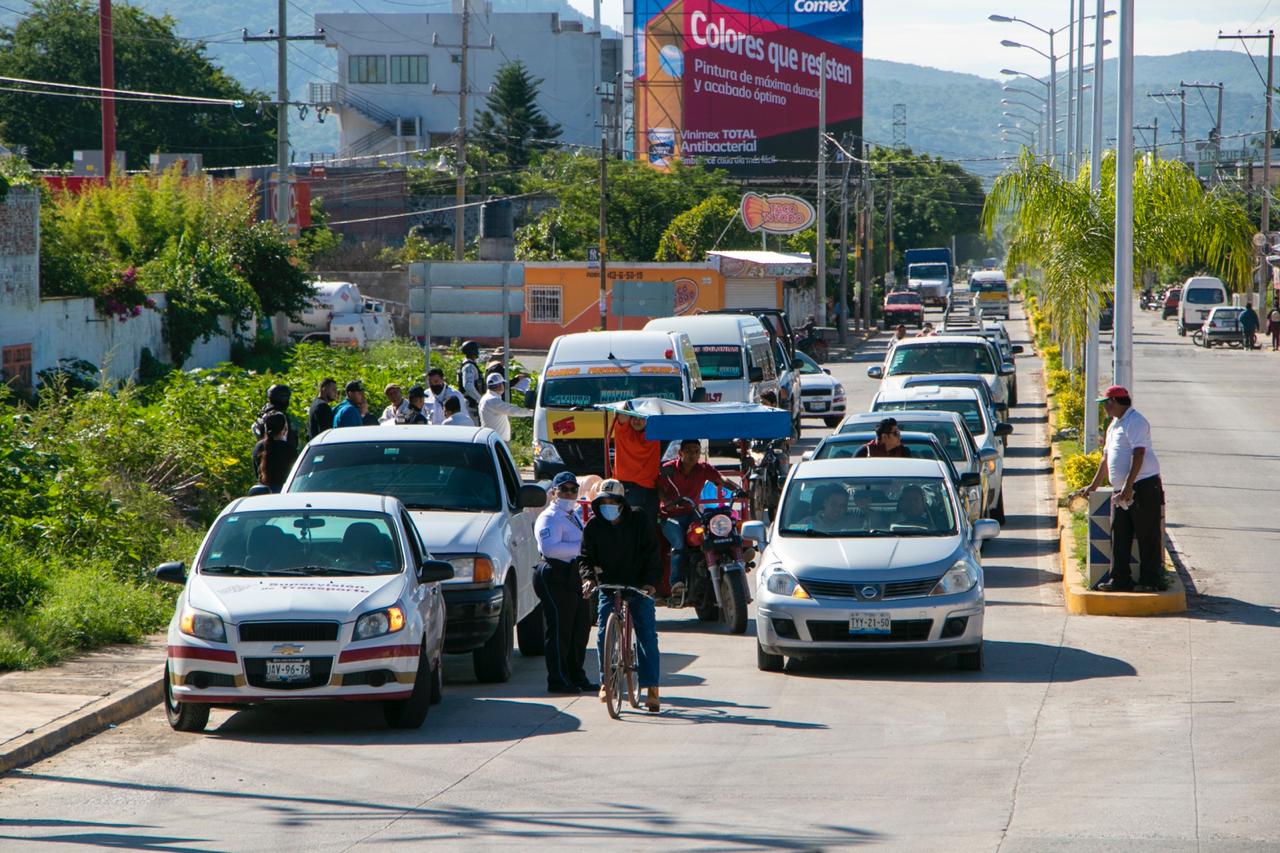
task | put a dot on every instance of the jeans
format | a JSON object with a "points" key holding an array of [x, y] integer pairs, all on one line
{"points": [[645, 621], [675, 529]]}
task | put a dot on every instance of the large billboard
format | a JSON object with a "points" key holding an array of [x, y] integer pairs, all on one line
{"points": [[734, 84]]}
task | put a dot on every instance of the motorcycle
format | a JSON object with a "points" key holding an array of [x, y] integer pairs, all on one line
{"points": [[762, 473], [810, 342], [717, 560], [1148, 301]]}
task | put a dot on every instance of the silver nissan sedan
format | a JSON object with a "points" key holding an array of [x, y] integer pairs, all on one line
{"points": [[869, 555]]}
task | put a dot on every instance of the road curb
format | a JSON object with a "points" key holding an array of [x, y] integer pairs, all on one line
{"points": [[129, 701]]}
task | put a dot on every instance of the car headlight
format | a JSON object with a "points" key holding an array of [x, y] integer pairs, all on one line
{"points": [[839, 390], [378, 622], [546, 451], [961, 577], [206, 626], [780, 582], [975, 494], [472, 568]]}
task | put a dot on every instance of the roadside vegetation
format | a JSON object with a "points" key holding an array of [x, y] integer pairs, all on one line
{"points": [[100, 484]]}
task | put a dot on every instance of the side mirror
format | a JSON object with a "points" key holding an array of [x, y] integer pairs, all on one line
{"points": [[171, 573], [988, 454], [806, 456], [1018, 349], [826, 370], [532, 496], [754, 531], [1007, 369], [970, 479], [875, 372], [433, 571], [1004, 429], [985, 528], [258, 490], [755, 374]]}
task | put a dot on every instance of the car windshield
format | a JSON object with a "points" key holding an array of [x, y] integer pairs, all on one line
{"points": [[719, 362], [989, 285], [948, 435], [581, 392], [808, 367], [867, 507], [970, 410], [422, 474], [903, 299], [846, 449], [302, 542], [941, 358], [1205, 296], [931, 272]]}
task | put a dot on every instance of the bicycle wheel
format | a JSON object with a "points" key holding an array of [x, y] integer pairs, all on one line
{"points": [[633, 666], [613, 667]]}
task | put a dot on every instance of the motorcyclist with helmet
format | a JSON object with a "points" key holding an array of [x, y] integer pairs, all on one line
{"points": [[278, 397]]}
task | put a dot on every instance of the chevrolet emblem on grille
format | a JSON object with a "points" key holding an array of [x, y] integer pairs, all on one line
{"points": [[287, 649], [869, 591]]}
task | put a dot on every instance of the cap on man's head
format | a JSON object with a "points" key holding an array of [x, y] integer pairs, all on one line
{"points": [[355, 385], [1115, 392], [613, 489], [495, 379], [417, 392], [390, 385], [564, 478]]}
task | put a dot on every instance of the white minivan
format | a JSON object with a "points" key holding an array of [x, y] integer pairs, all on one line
{"points": [[1200, 295], [735, 358]]}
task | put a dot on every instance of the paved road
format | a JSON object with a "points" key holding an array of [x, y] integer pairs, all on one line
{"points": [[1082, 734]]}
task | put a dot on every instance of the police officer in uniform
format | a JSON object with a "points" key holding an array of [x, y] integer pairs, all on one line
{"points": [[470, 380], [565, 611]]}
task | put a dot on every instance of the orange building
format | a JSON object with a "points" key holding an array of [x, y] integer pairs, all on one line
{"points": [[564, 297]]}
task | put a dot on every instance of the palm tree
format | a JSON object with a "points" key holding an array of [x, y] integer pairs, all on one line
{"points": [[1067, 231]]}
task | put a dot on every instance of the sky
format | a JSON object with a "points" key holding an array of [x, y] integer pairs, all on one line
{"points": [[956, 35]]}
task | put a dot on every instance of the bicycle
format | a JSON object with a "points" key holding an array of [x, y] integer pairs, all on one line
{"points": [[620, 669]]}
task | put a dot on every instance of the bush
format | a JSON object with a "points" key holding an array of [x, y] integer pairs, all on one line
{"points": [[1070, 409], [1080, 469], [1058, 381], [21, 581], [1052, 355]]}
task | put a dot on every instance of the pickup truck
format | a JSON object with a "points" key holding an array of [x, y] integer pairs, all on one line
{"points": [[903, 307], [929, 273], [463, 491]]}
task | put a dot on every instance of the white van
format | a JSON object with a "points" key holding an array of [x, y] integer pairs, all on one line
{"points": [[1200, 295], [588, 368], [734, 354]]}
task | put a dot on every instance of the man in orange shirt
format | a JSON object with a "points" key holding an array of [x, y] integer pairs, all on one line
{"points": [[635, 463]]}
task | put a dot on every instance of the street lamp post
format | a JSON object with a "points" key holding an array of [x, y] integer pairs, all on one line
{"points": [[1123, 307], [1095, 182]]}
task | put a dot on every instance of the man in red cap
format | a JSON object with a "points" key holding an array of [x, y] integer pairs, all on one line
{"points": [[1134, 472]]}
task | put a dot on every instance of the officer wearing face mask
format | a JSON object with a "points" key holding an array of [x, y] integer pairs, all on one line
{"points": [[566, 614], [437, 393]]}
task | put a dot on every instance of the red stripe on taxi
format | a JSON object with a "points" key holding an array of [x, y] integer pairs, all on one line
{"points": [[199, 653], [377, 652]]}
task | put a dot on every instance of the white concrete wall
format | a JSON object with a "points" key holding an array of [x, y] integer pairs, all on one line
{"points": [[568, 62]]}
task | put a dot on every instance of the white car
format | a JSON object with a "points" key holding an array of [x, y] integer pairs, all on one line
{"points": [[966, 402], [947, 354], [821, 395], [315, 596], [869, 555], [463, 491]]}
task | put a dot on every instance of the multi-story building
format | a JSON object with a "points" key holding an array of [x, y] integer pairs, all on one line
{"points": [[398, 74]]}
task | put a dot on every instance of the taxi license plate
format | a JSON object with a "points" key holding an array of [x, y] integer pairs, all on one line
{"points": [[288, 670], [818, 407], [875, 622]]}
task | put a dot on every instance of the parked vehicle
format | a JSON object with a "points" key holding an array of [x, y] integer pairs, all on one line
{"points": [[586, 369], [898, 571], [951, 433], [1222, 327], [1200, 295], [929, 273], [717, 560], [316, 596], [337, 314], [1172, 298], [990, 294], [966, 403], [903, 307], [1106, 315], [922, 445], [463, 492], [821, 395], [778, 326]]}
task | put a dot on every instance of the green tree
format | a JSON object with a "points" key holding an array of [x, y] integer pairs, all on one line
{"points": [[57, 40], [1067, 232], [710, 224], [512, 126]]}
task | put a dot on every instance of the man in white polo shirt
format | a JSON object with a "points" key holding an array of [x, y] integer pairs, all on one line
{"points": [[1134, 472]]}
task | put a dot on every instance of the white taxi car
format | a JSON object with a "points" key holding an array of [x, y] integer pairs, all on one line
{"points": [[307, 596]]}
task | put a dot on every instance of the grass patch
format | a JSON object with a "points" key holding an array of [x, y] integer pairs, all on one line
{"points": [[1080, 530]]}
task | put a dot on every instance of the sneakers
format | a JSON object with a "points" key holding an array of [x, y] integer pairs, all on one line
{"points": [[677, 595]]}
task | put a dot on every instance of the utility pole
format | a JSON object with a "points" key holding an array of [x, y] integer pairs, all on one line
{"points": [[1095, 182], [1181, 130], [282, 38], [1216, 133], [821, 310], [869, 239], [604, 229], [1123, 305], [1265, 229], [107, 71], [1154, 127], [1079, 87], [1069, 161], [842, 292], [888, 231]]}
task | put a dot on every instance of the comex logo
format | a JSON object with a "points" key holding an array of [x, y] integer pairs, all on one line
{"points": [[829, 6]]}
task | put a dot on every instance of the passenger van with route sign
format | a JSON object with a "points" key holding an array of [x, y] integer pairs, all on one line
{"points": [[586, 369], [734, 355], [1200, 295]]}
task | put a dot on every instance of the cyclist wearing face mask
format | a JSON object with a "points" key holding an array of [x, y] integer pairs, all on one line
{"points": [[566, 614]]}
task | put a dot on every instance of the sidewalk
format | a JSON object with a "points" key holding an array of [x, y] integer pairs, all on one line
{"points": [[45, 710]]}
